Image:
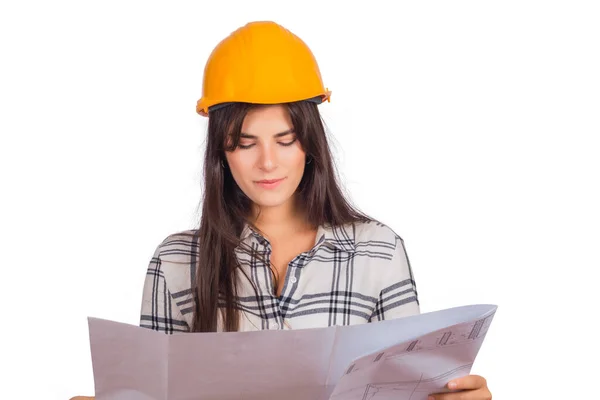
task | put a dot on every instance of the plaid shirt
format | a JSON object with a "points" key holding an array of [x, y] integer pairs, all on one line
{"points": [[354, 274]]}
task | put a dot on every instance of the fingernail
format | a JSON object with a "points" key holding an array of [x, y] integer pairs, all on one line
{"points": [[452, 385]]}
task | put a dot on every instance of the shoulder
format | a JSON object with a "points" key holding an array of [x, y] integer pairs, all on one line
{"points": [[178, 246], [177, 256], [383, 244], [375, 232]]}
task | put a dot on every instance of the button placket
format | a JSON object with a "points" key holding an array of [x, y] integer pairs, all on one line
{"points": [[275, 308]]}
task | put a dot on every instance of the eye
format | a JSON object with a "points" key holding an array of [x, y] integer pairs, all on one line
{"points": [[241, 146], [288, 143]]}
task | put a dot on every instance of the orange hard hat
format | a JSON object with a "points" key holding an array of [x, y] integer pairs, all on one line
{"points": [[264, 63]]}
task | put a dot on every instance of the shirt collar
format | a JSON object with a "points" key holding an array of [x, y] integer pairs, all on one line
{"points": [[339, 237]]}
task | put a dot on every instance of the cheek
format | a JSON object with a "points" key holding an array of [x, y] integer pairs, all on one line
{"points": [[295, 158], [239, 163]]}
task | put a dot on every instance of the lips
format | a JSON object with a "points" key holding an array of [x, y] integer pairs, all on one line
{"points": [[270, 181]]}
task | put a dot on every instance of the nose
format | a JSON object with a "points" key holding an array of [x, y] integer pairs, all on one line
{"points": [[268, 158]]}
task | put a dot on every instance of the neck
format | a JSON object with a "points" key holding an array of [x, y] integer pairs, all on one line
{"points": [[281, 220]]}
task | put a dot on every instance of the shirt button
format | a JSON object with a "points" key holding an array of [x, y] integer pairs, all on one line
{"points": [[293, 279], [274, 326]]}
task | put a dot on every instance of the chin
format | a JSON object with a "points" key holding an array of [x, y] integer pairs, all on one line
{"points": [[271, 201]]}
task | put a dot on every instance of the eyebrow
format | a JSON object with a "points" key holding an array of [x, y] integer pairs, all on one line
{"points": [[280, 134]]}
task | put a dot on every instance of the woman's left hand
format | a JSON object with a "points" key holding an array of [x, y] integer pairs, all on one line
{"points": [[471, 387]]}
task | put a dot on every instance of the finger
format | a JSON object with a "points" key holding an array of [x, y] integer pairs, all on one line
{"points": [[462, 395], [467, 382]]}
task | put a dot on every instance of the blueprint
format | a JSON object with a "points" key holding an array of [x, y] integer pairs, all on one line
{"points": [[414, 369], [405, 358]]}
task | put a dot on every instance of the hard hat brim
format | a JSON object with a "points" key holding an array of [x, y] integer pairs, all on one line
{"points": [[205, 111]]}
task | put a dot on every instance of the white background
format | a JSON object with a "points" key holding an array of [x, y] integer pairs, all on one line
{"points": [[471, 128]]}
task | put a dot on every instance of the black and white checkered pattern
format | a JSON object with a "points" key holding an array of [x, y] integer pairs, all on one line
{"points": [[354, 274]]}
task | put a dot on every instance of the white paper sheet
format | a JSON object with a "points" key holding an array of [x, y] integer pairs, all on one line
{"points": [[406, 358]]}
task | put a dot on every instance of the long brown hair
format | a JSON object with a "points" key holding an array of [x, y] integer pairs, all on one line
{"points": [[226, 209]]}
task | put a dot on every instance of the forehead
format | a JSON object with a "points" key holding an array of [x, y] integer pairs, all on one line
{"points": [[264, 121]]}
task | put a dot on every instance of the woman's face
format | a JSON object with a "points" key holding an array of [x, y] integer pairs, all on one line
{"points": [[268, 164]]}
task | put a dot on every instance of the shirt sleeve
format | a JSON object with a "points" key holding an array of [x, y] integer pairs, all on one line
{"points": [[398, 296], [159, 310]]}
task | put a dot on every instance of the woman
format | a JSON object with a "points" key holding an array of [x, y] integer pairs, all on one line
{"points": [[278, 246]]}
